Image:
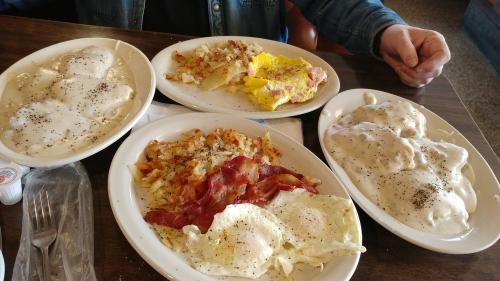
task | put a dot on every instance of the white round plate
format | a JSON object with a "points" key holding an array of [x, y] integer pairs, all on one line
{"points": [[128, 208], [238, 104], [144, 79], [2, 266], [485, 227]]}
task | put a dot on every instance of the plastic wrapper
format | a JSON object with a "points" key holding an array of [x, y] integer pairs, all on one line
{"points": [[72, 253]]}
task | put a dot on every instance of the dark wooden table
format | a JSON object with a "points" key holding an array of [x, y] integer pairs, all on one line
{"points": [[388, 257]]}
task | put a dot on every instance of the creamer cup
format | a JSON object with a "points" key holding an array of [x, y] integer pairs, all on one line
{"points": [[11, 191]]}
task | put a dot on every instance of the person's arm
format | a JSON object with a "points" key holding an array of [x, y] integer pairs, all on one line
{"points": [[367, 27], [351, 23]]}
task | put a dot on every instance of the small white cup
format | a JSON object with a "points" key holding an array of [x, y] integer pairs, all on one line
{"points": [[11, 191]]}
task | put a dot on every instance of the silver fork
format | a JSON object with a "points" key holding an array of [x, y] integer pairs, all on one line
{"points": [[43, 229]]}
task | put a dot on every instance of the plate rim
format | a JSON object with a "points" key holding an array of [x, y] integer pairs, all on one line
{"points": [[139, 134], [2, 266], [387, 221], [302, 109], [33, 161]]}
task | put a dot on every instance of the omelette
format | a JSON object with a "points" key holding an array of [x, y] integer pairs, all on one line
{"points": [[276, 80]]}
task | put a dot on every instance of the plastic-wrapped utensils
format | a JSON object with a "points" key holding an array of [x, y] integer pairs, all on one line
{"points": [[72, 254]]}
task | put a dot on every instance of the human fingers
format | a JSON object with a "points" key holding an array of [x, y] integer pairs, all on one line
{"points": [[407, 75], [411, 72], [436, 51], [396, 41], [405, 49], [410, 81], [392, 62], [406, 79], [421, 76], [434, 63]]}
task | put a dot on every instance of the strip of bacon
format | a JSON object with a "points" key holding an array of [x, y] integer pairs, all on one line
{"points": [[264, 191], [240, 180]]}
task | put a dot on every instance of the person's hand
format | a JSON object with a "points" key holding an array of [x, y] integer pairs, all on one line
{"points": [[417, 55]]}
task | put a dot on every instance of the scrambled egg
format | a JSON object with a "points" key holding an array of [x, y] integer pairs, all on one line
{"points": [[276, 80]]}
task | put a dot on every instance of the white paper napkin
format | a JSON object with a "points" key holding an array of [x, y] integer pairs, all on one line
{"points": [[157, 110]]}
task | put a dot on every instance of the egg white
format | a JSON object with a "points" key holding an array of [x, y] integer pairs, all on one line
{"points": [[319, 227], [246, 240], [241, 241]]}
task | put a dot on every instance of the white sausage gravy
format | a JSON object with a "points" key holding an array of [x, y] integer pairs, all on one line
{"points": [[384, 150], [66, 104]]}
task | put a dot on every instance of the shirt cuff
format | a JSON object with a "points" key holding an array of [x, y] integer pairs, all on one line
{"points": [[378, 27]]}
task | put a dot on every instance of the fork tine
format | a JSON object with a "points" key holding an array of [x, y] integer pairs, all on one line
{"points": [[51, 220], [35, 212], [44, 217], [44, 232]]}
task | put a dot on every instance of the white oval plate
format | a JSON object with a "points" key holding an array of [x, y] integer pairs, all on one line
{"points": [[128, 209], [2, 266], [485, 226], [237, 103], [145, 88]]}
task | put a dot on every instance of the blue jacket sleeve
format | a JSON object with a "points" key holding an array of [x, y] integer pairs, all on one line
{"points": [[352, 23]]}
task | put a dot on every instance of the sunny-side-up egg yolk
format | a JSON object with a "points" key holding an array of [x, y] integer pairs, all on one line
{"points": [[240, 242], [276, 80], [321, 227]]}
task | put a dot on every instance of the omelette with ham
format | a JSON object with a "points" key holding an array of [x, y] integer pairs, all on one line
{"points": [[276, 80], [223, 200]]}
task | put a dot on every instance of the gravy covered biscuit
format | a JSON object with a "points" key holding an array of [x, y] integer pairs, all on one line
{"points": [[66, 104], [385, 150]]}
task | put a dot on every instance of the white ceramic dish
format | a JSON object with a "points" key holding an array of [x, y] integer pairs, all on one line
{"points": [[2, 267], [238, 104], [485, 227], [129, 210], [145, 88]]}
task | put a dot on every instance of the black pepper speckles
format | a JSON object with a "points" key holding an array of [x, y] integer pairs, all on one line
{"points": [[406, 182], [47, 120], [421, 198]]}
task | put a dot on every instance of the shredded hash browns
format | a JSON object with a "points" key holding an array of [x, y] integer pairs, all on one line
{"points": [[226, 62], [172, 169]]}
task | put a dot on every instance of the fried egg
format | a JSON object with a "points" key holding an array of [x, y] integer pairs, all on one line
{"points": [[318, 227], [241, 242], [276, 80]]}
